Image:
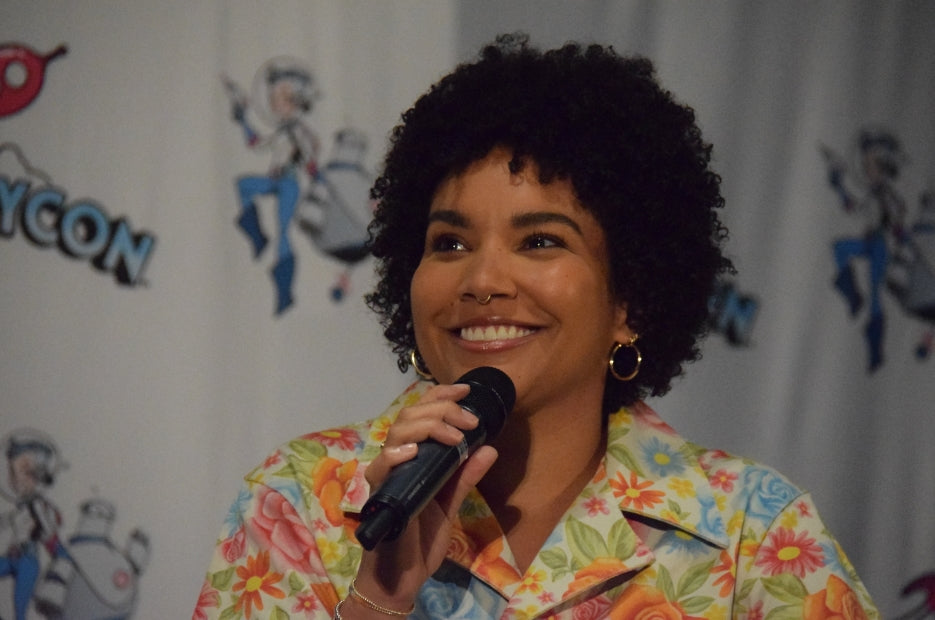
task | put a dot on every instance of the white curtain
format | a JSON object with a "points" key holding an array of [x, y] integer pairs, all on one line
{"points": [[161, 392]]}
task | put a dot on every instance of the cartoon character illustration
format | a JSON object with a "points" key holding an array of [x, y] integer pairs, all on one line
{"points": [[924, 584], [330, 203], [337, 217], [97, 580], [912, 281], [287, 92], [33, 522], [22, 74], [732, 313], [880, 159]]}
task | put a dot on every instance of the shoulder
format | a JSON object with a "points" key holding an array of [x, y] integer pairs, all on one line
{"points": [[759, 490], [736, 482], [331, 448], [314, 462]]}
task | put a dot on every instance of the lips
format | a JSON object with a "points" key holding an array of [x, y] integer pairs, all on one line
{"points": [[490, 333]]}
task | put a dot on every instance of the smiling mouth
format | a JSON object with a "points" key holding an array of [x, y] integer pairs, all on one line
{"points": [[494, 332]]}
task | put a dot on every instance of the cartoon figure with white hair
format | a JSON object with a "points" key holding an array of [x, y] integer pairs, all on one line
{"points": [[880, 160], [33, 522], [284, 91], [330, 203]]}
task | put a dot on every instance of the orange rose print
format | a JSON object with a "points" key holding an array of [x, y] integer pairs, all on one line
{"points": [[492, 567], [598, 570], [837, 600], [640, 602], [329, 481]]}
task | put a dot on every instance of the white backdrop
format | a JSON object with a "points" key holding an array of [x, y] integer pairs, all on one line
{"points": [[160, 395]]}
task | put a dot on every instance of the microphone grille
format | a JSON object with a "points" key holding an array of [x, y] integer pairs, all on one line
{"points": [[491, 398]]}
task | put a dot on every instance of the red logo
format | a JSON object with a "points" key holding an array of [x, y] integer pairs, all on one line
{"points": [[22, 73]]}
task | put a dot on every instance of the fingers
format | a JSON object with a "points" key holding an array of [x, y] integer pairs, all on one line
{"points": [[465, 479], [435, 416]]}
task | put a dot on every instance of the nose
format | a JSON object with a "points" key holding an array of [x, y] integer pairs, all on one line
{"points": [[487, 275]]}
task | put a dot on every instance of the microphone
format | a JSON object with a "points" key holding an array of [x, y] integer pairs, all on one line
{"points": [[410, 485]]}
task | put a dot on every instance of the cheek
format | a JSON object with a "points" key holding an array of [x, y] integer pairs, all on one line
{"points": [[587, 289], [418, 288], [426, 295]]}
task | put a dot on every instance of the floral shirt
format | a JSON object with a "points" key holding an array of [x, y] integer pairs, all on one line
{"points": [[665, 529]]}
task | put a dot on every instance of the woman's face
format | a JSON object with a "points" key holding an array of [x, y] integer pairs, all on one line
{"points": [[551, 320]]}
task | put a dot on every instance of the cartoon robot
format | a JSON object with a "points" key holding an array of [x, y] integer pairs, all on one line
{"points": [[881, 158], [330, 203], [34, 521], [924, 585], [912, 280], [96, 580], [336, 218]]}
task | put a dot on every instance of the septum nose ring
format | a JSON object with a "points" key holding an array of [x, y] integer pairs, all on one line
{"points": [[485, 300]]}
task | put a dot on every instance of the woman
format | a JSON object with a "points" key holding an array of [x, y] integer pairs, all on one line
{"points": [[553, 216]]}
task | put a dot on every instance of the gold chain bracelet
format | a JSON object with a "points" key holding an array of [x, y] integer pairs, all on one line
{"points": [[354, 592]]}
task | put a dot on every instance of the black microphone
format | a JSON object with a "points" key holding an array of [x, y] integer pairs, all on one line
{"points": [[410, 485]]}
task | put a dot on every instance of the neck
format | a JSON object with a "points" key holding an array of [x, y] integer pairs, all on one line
{"points": [[545, 460]]}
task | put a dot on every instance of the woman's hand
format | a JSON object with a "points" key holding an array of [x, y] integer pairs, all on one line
{"points": [[393, 572]]}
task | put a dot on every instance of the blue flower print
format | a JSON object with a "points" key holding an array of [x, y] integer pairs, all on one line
{"points": [[770, 493], [662, 458]]}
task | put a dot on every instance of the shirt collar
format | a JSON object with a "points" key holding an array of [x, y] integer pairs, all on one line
{"points": [[656, 474], [652, 470]]}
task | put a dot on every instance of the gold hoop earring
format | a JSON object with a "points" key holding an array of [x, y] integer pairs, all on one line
{"points": [[632, 359], [414, 360]]}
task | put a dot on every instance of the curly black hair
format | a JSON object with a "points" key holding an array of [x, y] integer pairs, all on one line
{"points": [[635, 159]]}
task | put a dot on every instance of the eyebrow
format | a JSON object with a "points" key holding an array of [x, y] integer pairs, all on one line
{"points": [[522, 220]]}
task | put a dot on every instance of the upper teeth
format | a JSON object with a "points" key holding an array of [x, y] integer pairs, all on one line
{"points": [[491, 332]]}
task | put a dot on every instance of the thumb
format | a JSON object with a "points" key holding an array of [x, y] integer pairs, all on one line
{"points": [[465, 479]]}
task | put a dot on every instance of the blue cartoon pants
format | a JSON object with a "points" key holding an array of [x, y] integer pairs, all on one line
{"points": [[873, 248], [286, 190], [25, 571]]}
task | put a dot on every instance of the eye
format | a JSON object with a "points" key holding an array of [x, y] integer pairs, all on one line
{"points": [[542, 241], [444, 243]]}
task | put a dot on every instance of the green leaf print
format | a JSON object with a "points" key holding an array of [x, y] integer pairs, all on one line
{"points": [[349, 561], [585, 543], [554, 558], [787, 612], [616, 433], [787, 588], [295, 583], [623, 455], [221, 580], [676, 509], [231, 612], [696, 604], [694, 578], [370, 452], [307, 450], [664, 583], [745, 589], [622, 540], [278, 613]]}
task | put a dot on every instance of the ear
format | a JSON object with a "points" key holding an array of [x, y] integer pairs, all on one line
{"points": [[622, 331]]}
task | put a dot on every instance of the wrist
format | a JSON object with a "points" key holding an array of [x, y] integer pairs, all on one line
{"points": [[384, 605], [359, 605]]}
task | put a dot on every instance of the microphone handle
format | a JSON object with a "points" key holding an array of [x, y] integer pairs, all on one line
{"points": [[411, 485]]}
